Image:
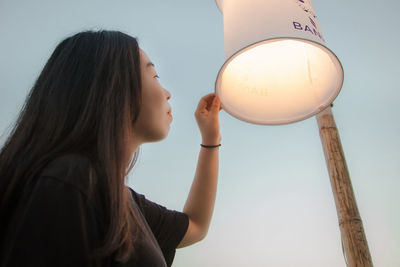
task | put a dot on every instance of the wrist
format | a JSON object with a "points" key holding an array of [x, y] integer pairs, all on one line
{"points": [[210, 142], [212, 146]]}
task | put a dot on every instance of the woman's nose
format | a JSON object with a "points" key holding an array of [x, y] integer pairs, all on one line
{"points": [[168, 94]]}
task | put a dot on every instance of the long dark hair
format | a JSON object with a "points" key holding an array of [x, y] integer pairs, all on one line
{"points": [[85, 101]]}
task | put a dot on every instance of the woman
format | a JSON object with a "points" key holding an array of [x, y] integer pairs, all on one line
{"points": [[63, 196]]}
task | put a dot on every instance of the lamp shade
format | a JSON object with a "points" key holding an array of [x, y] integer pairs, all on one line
{"points": [[278, 69]]}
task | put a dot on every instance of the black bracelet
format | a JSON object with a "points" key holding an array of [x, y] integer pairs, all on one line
{"points": [[210, 146]]}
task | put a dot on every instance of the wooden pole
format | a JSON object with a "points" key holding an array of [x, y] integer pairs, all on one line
{"points": [[353, 237]]}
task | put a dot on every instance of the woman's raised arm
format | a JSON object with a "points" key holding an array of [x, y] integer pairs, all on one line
{"points": [[199, 205]]}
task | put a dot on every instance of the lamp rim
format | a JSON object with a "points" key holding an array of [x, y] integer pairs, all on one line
{"points": [[318, 110]]}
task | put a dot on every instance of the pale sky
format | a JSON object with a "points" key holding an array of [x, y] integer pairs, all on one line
{"points": [[274, 202]]}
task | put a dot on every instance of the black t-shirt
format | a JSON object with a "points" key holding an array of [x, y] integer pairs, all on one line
{"points": [[56, 225]]}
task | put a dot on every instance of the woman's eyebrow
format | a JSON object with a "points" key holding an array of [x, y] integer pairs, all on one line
{"points": [[149, 64]]}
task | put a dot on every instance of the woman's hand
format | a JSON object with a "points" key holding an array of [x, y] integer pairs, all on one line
{"points": [[207, 119]]}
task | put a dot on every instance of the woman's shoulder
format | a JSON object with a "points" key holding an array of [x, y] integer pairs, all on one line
{"points": [[73, 169]]}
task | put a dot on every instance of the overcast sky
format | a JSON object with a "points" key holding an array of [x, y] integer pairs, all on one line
{"points": [[274, 202]]}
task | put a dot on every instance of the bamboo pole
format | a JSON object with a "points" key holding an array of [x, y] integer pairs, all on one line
{"points": [[353, 237]]}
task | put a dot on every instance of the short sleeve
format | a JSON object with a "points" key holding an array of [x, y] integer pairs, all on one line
{"points": [[52, 229], [168, 226]]}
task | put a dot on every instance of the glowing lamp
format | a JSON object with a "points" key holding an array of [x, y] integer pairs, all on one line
{"points": [[278, 69]]}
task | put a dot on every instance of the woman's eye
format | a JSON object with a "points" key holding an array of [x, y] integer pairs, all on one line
{"points": [[157, 76]]}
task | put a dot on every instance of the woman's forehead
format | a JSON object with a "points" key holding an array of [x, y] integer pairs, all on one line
{"points": [[143, 56], [145, 61]]}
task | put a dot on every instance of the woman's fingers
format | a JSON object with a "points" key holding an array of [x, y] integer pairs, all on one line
{"points": [[209, 99], [205, 103], [215, 104]]}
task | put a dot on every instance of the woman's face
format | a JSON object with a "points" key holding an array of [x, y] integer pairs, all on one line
{"points": [[155, 116]]}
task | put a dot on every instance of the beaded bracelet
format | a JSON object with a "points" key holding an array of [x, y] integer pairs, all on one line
{"points": [[210, 146]]}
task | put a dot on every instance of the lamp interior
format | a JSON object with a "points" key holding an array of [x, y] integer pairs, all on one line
{"points": [[279, 81]]}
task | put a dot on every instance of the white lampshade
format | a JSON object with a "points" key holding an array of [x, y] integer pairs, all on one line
{"points": [[277, 69]]}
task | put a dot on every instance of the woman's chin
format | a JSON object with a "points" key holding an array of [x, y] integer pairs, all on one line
{"points": [[163, 136]]}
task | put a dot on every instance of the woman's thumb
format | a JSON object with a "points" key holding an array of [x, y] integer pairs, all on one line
{"points": [[215, 104]]}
